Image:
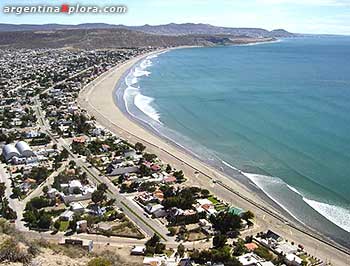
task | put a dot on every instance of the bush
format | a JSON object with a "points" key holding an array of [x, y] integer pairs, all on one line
{"points": [[99, 262], [263, 253], [219, 241], [140, 147], [172, 231], [10, 251]]}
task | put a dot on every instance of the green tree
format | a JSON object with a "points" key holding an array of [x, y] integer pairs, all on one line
{"points": [[44, 221], [239, 248], [64, 154], [153, 245], [2, 190], [103, 187], [172, 231], [226, 222], [205, 193], [16, 192], [219, 241], [98, 196], [168, 169], [6, 211], [149, 157], [179, 175], [145, 170], [57, 225], [248, 215], [45, 189], [140, 147], [181, 250]]}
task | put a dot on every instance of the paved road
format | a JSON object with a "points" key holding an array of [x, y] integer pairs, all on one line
{"points": [[147, 225]]}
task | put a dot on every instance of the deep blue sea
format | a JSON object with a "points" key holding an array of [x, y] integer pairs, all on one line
{"points": [[280, 112]]}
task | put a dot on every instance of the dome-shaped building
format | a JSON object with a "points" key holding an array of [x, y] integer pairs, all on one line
{"points": [[9, 151], [24, 149]]}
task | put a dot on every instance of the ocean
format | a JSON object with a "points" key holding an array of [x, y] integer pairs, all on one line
{"points": [[279, 112]]}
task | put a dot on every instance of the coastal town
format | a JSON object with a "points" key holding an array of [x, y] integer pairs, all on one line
{"points": [[67, 178]]}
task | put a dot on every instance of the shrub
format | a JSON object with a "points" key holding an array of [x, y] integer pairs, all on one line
{"points": [[10, 251], [99, 262]]}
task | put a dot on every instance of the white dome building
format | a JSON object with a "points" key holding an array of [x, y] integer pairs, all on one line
{"points": [[24, 149], [9, 151]]}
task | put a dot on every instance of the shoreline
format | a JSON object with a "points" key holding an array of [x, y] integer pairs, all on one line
{"points": [[96, 99]]}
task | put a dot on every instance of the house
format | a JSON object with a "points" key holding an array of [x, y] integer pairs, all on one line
{"points": [[96, 210], [145, 198], [66, 215], [251, 246], [81, 226], [273, 236], [80, 140], [138, 250], [151, 208], [77, 207], [51, 193], [129, 153], [185, 262], [236, 211], [169, 179], [120, 170], [85, 244], [74, 187], [154, 261], [265, 263], [159, 195], [155, 167], [293, 260], [286, 248], [250, 259], [160, 213]]}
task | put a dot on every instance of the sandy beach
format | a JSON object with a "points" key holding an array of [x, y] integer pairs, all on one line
{"points": [[98, 99]]}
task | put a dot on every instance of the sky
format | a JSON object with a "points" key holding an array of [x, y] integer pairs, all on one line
{"points": [[301, 16]]}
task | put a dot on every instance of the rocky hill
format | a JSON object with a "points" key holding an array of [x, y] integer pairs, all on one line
{"points": [[112, 38], [168, 29]]}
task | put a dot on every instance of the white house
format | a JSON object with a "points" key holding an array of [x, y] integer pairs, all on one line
{"points": [[66, 215], [293, 260]]}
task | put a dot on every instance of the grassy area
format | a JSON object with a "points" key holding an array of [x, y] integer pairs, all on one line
{"points": [[220, 207], [195, 235], [64, 226], [168, 252], [213, 200], [126, 229], [308, 259]]}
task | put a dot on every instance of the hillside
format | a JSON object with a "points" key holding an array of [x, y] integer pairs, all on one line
{"points": [[18, 249], [111, 38], [191, 28], [168, 29]]}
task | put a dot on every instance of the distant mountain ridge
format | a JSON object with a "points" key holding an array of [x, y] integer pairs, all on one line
{"points": [[171, 29]]}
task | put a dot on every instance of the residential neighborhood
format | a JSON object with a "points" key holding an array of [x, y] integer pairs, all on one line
{"points": [[64, 174]]}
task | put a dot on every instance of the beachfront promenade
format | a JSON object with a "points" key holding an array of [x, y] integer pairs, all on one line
{"points": [[97, 98]]}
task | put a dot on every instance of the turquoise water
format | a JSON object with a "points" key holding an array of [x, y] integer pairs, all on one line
{"points": [[279, 112]]}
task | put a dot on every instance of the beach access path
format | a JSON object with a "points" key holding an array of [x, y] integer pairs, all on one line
{"points": [[98, 99]]}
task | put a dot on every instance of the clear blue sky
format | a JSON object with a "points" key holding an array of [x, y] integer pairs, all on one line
{"points": [[304, 16]]}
